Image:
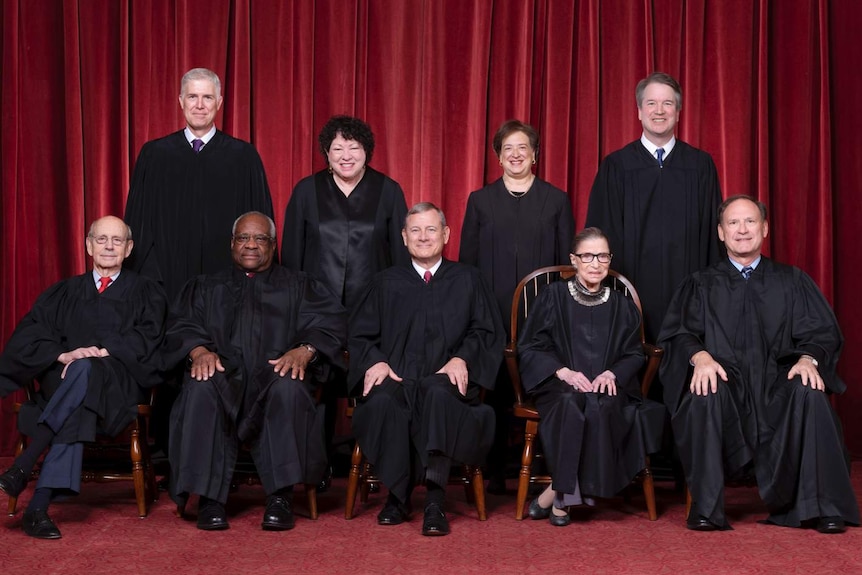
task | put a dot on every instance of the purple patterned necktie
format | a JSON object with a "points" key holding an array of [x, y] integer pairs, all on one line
{"points": [[197, 144]]}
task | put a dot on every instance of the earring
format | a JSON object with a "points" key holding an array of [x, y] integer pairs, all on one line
{"points": [[534, 161], [329, 167]]}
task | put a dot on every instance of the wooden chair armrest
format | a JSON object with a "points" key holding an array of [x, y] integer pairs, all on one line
{"points": [[654, 355]]}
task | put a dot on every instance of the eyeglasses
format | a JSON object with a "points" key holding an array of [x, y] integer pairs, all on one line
{"points": [[603, 258], [243, 239], [102, 240]]}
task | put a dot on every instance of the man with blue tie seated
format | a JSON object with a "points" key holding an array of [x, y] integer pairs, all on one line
{"points": [[92, 343], [751, 348]]}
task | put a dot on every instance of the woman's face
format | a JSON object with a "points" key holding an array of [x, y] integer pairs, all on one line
{"points": [[591, 274], [517, 155], [346, 158]]}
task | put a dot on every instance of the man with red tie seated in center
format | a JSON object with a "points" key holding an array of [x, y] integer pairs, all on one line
{"points": [[92, 343]]}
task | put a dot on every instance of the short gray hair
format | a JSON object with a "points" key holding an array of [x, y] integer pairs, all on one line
{"points": [[201, 74], [422, 207], [254, 213]]}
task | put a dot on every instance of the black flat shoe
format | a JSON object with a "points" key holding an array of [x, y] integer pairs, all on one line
{"points": [[13, 481], [831, 525], [700, 523], [278, 516], [559, 520], [212, 517], [392, 514], [37, 524], [536, 511], [326, 482], [434, 523]]}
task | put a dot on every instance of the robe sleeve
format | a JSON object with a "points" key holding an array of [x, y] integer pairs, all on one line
{"points": [[469, 249], [399, 254], [293, 234], [605, 209], [186, 322], [626, 347], [36, 343], [711, 194], [538, 355], [482, 346], [364, 336], [139, 347], [322, 321], [565, 232], [137, 209]]}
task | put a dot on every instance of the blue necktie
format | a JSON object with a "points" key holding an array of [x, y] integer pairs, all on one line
{"points": [[659, 153], [746, 272], [197, 144]]}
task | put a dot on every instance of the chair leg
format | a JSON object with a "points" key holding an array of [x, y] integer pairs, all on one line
{"points": [[353, 481], [687, 501], [475, 473], [19, 448], [649, 491], [365, 481], [530, 431], [311, 493], [138, 472]]}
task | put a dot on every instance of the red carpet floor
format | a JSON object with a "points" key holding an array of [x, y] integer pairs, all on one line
{"points": [[102, 534]]}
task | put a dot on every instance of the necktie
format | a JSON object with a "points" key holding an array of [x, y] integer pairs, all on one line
{"points": [[249, 274], [103, 284], [659, 153], [197, 144], [427, 276], [746, 272]]}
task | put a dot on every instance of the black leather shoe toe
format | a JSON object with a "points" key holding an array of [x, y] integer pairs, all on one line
{"points": [[536, 511], [392, 514], [37, 524], [831, 525], [13, 481], [700, 523], [212, 517], [278, 515], [435, 522], [560, 520]]}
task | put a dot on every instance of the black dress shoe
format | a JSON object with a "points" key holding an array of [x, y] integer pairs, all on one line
{"points": [[559, 520], [13, 481], [326, 482], [434, 523], [536, 511], [700, 523], [392, 514], [831, 525], [278, 516], [212, 517], [37, 524]]}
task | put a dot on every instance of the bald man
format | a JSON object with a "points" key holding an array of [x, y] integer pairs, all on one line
{"points": [[91, 342]]}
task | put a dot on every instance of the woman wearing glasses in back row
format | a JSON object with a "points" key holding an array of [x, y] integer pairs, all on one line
{"points": [[580, 352]]}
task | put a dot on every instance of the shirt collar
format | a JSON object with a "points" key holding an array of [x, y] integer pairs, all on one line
{"points": [[97, 277], [205, 138], [739, 266], [421, 271], [651, 148]]}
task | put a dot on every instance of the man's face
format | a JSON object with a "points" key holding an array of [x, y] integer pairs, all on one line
{"points": [[658, 113], [108, 244], [200, 103], [424, 235], [742, 229], [251, 245]]}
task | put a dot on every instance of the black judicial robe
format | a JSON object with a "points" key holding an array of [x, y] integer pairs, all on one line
{"points": [[416, 328], [127, 319], [344, 240], [660, 222], [616, 433], [508, 237], [756, 330], [182, 205], [285, 308]]}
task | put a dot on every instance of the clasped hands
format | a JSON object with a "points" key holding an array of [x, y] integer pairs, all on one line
{"points": [[707, 371], [605, 382], [455, 369], [205, 363], [66, 358]]}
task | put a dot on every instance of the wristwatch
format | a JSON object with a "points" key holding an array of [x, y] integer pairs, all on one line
{"points": [[311, 349], [811, 359]]}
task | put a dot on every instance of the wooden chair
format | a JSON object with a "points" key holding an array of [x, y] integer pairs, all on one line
{"points": [[362, 477], [122, 458], [525, 294]]}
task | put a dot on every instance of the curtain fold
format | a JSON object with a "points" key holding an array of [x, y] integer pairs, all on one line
{"points": [[770, 90]]}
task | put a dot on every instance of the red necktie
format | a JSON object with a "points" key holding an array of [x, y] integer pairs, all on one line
{"points": [[427, 276], [103, 284]]}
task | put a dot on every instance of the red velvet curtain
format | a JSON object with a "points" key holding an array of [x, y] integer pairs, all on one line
{"points": [[770, 89]]}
